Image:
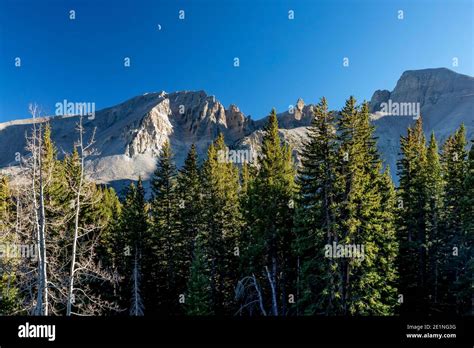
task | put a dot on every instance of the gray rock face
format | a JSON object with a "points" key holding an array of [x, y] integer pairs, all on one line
{"points": [[297, 115], [129, 136], [445, 98], [379, 97]]}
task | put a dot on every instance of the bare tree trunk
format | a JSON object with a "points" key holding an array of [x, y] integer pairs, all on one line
{"points": [[137, 303], [39, 299], [76, 223], [42, 296], [259, 294], [43, 230], [242, 293], [271, 280], [298, 271]]}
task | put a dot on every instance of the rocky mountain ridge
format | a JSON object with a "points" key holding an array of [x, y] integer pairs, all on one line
{"points": [[129, 136]]}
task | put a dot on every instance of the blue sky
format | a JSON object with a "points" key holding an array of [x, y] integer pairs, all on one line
{"points": [[280, 59]]}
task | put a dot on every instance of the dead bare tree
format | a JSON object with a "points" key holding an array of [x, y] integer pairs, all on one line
{"points": [[272, 281], [81, 147], [83, 266], [39, 213], [137, 303], [249, 294], [65, 276]]}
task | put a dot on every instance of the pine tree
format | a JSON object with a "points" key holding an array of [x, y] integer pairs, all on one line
{"points": [[222, 224], [198, 297], [54, 191], [57, 193], [315, 221], [454, 160], [271, 218], [190, 207], [247, 178], [165, 233], [466, 278], [412, 222], [105, 211], [109, 210], [368, 281], [132, 255], [434, 208], [385, 263]]}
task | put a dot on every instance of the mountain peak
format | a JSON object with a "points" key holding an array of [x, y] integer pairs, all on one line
{"points": [[233, 108], [130, 134], [426, 87], [427, 70], [300, 104]]}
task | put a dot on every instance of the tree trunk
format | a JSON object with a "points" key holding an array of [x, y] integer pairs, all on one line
{"points": [[271, 281], [42, 297], [76, 225]]}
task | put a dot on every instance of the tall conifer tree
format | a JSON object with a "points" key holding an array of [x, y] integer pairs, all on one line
{"points": [[412, 224], [368, 280], [454, 167], [198, 296], [131, 255], [271, 221], [167, 245], [434, 209], [466, 281], [190, 207], [222, 224], [315, 220]]}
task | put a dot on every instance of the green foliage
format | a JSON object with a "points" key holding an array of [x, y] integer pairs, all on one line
{"points": [[455, 241], [128, 246], [466, 274], [434, 230], [345, 200], [412, 223], [271, 221], [190, 208], [109, 210], [250, 242], [222, 224], [165, 233], [9, 292], [5, 203], [369, 282], [434, 248], [198, 297], [315, 217]]}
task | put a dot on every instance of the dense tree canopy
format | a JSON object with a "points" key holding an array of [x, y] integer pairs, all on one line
{"points": [[326, 235]]}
